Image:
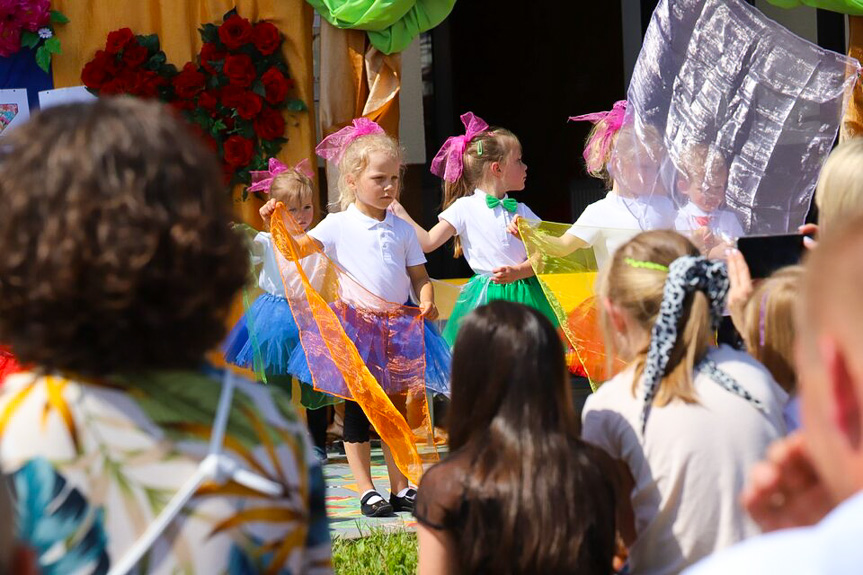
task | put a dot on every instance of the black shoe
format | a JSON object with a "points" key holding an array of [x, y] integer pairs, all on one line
{"points": [[379, 509], [405, 503]]}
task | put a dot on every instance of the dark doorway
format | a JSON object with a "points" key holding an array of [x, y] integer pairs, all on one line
{"points": [[525, 66]]}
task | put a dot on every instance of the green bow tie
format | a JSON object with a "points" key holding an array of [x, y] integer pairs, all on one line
{"points": [[508, 204]]}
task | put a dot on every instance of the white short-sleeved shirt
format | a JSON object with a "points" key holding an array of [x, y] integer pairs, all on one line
{"points": [[693, 462], [270, 277], [485, 242], [610, 222], [828, 548], [723, 222], [376, 253]]}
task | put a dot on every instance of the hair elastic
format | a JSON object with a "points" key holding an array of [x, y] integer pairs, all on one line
{"points": [[645, 265]]}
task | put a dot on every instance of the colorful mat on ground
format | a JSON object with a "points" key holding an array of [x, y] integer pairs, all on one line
{"points": [[343, 507], [335, 364]]}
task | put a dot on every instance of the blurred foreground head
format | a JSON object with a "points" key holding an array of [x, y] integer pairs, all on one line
{"points": [[117, 248], [829, 358]]}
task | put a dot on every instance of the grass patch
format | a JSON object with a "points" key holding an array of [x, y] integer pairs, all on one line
{"points": [[393, 552]]}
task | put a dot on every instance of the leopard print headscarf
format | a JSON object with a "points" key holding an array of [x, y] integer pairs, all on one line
{"points": [[687, 274]]}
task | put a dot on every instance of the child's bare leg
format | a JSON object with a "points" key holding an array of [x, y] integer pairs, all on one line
{"points": [[360, 461], [398, 481]]}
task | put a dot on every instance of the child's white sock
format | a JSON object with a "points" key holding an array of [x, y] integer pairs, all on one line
{"points": [[403, 492], [373, 499]]}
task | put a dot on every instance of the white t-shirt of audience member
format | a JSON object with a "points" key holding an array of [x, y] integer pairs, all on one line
{"points": [[693, 461]]}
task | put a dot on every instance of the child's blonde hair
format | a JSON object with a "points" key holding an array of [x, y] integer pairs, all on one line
{"points": [[839, 194], [638, 289], [626, 144], [492, 145], [699, 160], [356, 159], [293, 188], [770, 326]]}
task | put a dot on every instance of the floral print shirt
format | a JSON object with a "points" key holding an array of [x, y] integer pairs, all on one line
{"points": [[92, 463]]}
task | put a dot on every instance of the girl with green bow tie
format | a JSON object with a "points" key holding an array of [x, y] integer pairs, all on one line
{"points": [[478, 169]]}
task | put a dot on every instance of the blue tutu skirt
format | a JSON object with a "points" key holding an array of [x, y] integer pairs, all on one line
{"points": [[266, 333], [438, 359]]}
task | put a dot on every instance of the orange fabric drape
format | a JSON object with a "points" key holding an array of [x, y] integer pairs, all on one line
{"points": [[852, 123], [356, 80], [177, 22]]}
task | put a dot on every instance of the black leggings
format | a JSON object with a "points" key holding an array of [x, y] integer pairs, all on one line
{"points": [[356, 427]]}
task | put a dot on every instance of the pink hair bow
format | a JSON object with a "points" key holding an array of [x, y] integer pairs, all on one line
{"points": [[333, 146], [261, 181], [604, 137], [449, 161]]}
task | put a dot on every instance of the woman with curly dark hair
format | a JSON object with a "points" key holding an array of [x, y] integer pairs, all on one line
{"points": [[117, 270], [520, 492]]}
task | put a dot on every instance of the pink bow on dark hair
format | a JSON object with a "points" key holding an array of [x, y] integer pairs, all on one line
{"points": [[604, 137], [333, 146], [449, 161], [263, 180]]}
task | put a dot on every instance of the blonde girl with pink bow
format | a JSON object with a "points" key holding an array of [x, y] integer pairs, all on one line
{"points": [[479, 169], [265, 338]]}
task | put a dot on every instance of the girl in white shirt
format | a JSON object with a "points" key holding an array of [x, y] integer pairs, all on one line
{"points": [[686, 419], [381, 262], [478, 170], [627, 161], [265, 338]]}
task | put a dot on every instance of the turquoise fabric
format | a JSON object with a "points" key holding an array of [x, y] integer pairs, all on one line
{"points": [[850, 7], [391, 24]]}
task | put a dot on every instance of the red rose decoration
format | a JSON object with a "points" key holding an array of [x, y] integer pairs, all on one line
{"points": [[134, 54], [189, 82], [98, 71], [266, 38], [118, 39], [238, 151], [240, 70], [276, 86], [208, 101], [231, 96], [270, 124], [145, 84], [211, 53], [250, 106], [235, 32]]}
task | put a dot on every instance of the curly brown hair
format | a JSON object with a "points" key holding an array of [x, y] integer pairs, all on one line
{"points": [[117, 250]]}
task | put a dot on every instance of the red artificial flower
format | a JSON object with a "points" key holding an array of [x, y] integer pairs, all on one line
{"points": [[118, 39], [276, 86], [145, 84], [231, 96], [270, 124], [240, 70], [114, 87], [10, 38], [98, 70], [266, 37], [208, 101], [134, 54], [189, 82], [238, 151], [211, 53], [34, 14], [235, 32], [250, 106], [246, 103]]}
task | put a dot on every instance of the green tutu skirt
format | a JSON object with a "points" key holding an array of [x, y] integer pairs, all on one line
{"points": [[480, 290]]}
